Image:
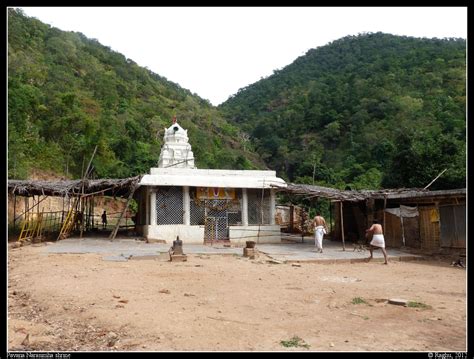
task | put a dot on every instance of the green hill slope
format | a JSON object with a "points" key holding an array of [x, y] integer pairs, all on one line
{"points": [[366, 111], [68, 93]]}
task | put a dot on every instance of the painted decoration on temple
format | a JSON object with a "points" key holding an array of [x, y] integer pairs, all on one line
{"points": [[215, 193]]}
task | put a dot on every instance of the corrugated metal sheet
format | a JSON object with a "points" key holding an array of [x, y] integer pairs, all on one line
{"points": [[453, 226], [448, 228], [460, 216]]}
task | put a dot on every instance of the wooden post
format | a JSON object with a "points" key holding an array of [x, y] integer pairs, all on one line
{"points": [[62, 213], [403, 230], [342, 226], [81, 211], [92, 211], [14, 211], [330, 217], [291, 218], [27, 207], [384, 206]]}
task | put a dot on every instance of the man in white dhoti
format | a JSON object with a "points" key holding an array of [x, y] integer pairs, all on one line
{"points": [[378, 240], [320, 229]]}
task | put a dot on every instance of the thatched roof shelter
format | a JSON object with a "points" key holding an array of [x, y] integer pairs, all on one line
{"points": [[311, 191], [107, 187]]}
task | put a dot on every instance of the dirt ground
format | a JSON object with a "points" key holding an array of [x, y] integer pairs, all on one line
{"points": [[79, 302]]}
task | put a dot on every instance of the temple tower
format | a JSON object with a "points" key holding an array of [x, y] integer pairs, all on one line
{"points": [[176, 151]]}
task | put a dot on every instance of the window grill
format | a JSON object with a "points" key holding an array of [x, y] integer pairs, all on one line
{"points": [[258, 210], [196, 208], [234, 211], [169, 205]]}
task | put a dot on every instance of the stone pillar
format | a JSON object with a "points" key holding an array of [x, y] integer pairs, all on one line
{"points": [[186, 206], [272, 206], [152, 207], [245, 212]]}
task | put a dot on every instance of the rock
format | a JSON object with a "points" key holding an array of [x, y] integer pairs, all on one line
{"points": [[331, 345], [166, 291], [397, 301], [26, 341], [249, 252], [296, 265], [274, 261]]}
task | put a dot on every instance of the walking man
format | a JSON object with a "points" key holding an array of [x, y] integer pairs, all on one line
{"points": [[104, 220], [378, 240], [320, 229]]}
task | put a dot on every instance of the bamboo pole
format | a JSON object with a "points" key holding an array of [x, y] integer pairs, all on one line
{"points": [[27, 209], [132, 191], [435, 178], [83, 182]]}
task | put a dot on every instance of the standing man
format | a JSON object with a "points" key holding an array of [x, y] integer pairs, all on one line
{"points": [[378, 240], [320, 229], [104, 220]]}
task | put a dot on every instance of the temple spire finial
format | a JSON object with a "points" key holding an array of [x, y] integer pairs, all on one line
{"points": [[174, 120]]}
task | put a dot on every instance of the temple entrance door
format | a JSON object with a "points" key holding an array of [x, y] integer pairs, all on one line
{"points": [[216, 221]]}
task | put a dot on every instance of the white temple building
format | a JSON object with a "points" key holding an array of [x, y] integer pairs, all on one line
{"points": [[205, 205]]}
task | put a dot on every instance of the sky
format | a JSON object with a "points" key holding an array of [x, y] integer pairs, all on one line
{"points": [[215, 51]]}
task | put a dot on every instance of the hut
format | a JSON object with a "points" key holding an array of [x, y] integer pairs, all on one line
{"points": [[432, 221]]}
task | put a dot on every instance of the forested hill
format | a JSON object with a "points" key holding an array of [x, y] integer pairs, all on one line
{"points": [[367, 111], [68, 93]]}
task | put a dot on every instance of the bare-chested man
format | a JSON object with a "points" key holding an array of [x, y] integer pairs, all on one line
{"points": [[378, 240], [320, 229]]}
